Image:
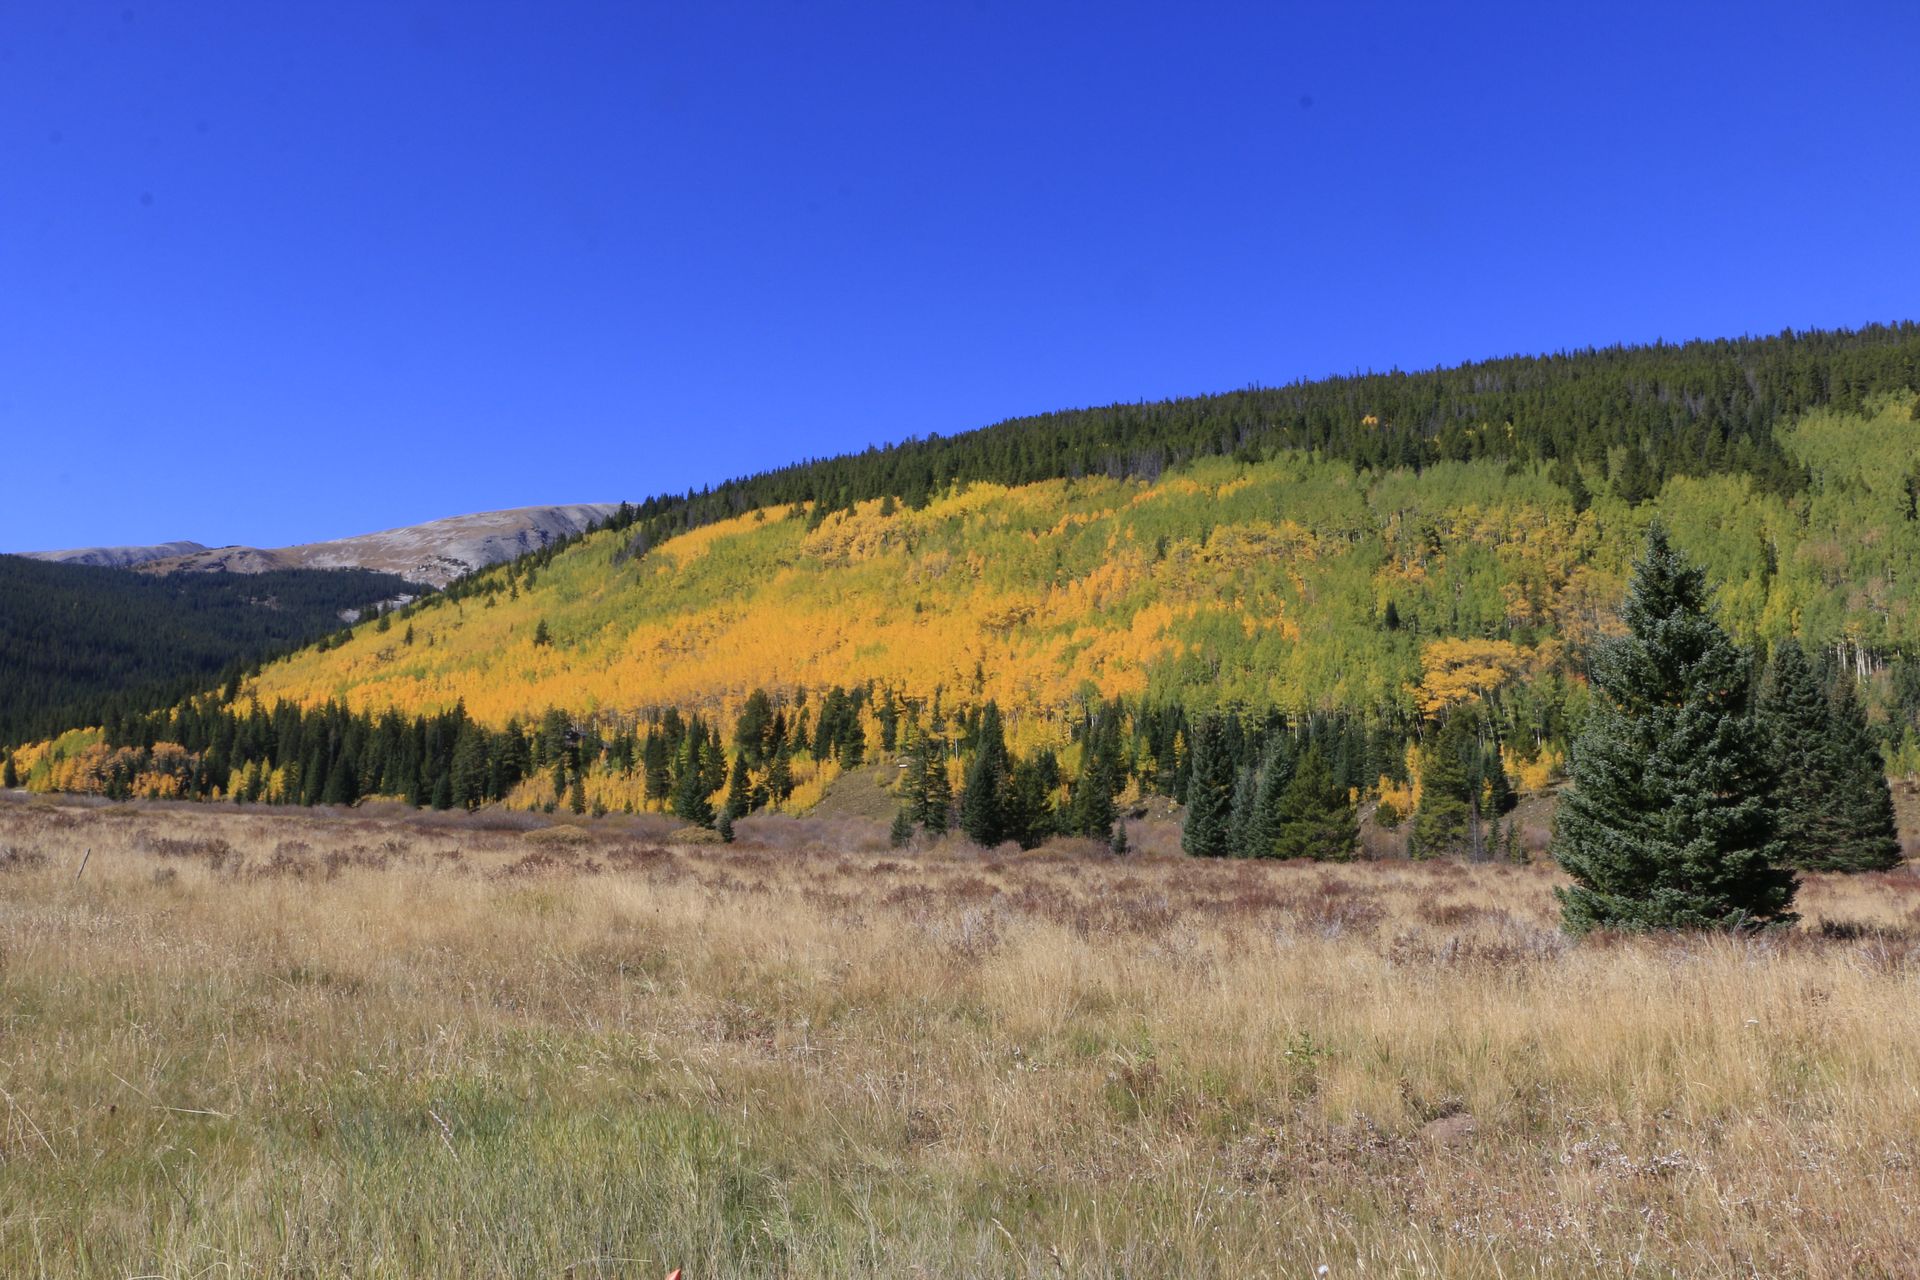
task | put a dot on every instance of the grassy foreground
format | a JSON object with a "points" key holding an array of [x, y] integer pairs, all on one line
{"points": [[249, 1043]]}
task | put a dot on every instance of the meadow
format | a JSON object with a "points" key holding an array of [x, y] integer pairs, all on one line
{"points": [[247, 1042]]}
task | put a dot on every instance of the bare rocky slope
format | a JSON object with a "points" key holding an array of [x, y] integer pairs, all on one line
{"points": [[436, 552], [116, 557]]}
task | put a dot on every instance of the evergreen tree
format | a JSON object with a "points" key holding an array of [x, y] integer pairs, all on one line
{"points": [[1317, 819], [541, 636], [691, 797], [1118, 845], [653, 761], [739, 801], [724, 826], [1026, 808], [469, 768], [983, 798], [853, 744], [901, 832], [936, 792], [713, 763], [1209, 792], [1444, 821], [9, 774], [577, 795], [1799, 721], [753, 731], [1276, 771], [1240, 812], [1670, 823], [1502, 799], [780, 776], [1089, 810], [1865, 836]]}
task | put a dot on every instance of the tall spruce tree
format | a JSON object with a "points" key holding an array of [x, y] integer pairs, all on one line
{"points": [[984, 797], [739, 802], [1799, 719], [1317, 818], [779, 782], [1209, 792], [692, 798], [1241, 812], [1444, 822], [1026, 807], [936, 790], [1276, 771], [1868, 838], [1670, 823]]}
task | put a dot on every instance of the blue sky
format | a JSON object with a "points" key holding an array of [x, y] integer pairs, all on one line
{"points": [[275, 272]]}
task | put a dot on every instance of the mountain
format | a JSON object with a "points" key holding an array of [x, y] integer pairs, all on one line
{"points": [[435, 553], [116, 557], [1346, 560], [79, 642]]}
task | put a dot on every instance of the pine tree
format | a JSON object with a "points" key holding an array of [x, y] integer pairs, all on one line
{"points": [[1118, 845], [780, 776], [577, 795], [9, 774], [1209, 792], [739, 800], [1799, 719], [1443, 822], [901, 833], [983, 797], [936, 793], [653, 762], [1026, 808], [1834, 805], [1863, 802], [1502, 799], [1317, 819], [691, 797], [1240, 812], [853, 744], [753, 731], [1670, 823], [1276, 771], [724, 826], [468, 778], [541, 636], [1090, 810]]}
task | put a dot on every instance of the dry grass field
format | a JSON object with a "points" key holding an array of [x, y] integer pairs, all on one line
{"points": [[250, 1043]]}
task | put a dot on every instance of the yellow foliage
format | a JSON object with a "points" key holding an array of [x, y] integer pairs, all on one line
{"points": [[1457, 670], [1538, 773]]}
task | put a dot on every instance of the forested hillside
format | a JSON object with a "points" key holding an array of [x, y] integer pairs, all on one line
{"points": [[80, 642], [1403, 572]]}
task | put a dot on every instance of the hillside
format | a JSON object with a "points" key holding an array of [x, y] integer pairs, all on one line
{"points": [[1289, 582], [435, 552], [115, 557], [78, 642], [1342, 562]]}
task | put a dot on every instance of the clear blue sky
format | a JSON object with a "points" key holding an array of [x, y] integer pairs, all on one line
{"points": [[274, 272]]}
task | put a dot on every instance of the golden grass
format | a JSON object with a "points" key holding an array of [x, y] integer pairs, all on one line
{"points": [[250, 1043]]}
